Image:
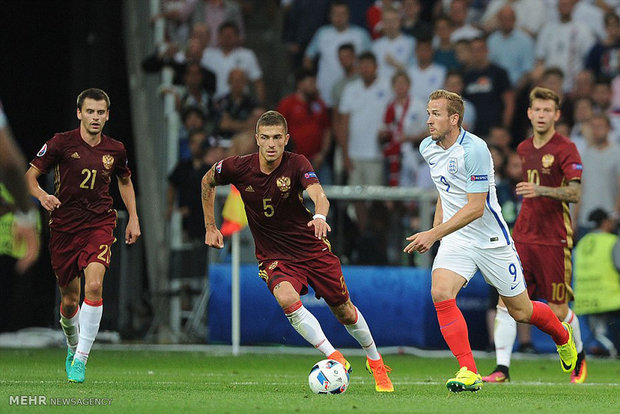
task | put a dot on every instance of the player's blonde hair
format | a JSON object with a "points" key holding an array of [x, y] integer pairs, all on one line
{"points": [[271, 118], [545, 95], [455, 102]]}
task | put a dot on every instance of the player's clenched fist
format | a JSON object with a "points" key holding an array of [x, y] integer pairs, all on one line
{"points": [[49, 202]]}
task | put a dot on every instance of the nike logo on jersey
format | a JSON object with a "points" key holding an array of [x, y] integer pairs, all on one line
{"points": [[431, 163], [512, 287]]}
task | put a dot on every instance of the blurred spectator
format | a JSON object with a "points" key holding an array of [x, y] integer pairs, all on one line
{"points": [[394, 50], [445, 54], [597, 281], [582, 129], [530, 15], [601, 174], [325, 43], [215, 13], [177, 20], [308, 123], [231, 55], [404, 127], [237, 111], [302, 19], [461, 29], [462, 52], [456, 83], [499, 136], [374, 16], [499, 159], [506, 189], [412, 23], [348, 64], [184, 185], [591, 15], [487, 86], [362, 105], [604, 57], [193, 119], [565, 44], [510, 48], [601, 96], [178, 61], [426, 76], [584, 84]]}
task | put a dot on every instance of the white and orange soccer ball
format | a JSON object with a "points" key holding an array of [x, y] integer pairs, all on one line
{"points": [[328, 377]]}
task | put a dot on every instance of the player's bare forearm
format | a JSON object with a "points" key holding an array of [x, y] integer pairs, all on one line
{"points": [[570, 193], [438, 218], [423, 241], [48, 201], [207, 195], [125, 188], [213, 236], [12, 164], [321, 208]]}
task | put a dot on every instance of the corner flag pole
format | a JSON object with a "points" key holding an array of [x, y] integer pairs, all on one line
{"points": [[235, 295]]}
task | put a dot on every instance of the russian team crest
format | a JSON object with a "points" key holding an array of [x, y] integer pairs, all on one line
{"points": [[547, 160], [453, 166], [284, 184], [108, 160]]}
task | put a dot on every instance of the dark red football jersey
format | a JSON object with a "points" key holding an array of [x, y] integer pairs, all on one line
{"points": [[544, 220], [82, 176], [274, 205]]}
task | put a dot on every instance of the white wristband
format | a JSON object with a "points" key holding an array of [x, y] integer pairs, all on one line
{"points": [[319, 216]]}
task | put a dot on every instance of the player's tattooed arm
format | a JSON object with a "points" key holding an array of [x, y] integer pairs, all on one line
{"points": [[213, 237], [570, 193]]}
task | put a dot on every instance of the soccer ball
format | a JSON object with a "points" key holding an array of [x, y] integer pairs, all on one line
{"points": [[328, 377]]}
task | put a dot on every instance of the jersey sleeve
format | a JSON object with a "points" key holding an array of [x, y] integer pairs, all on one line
{"points": [[478, 166], [571, 163], [122, 167], [48, 156], [225, 170], [307, 176]]}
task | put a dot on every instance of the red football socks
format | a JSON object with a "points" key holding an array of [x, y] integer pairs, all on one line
{"points": [[454, 330], [545, 320]]}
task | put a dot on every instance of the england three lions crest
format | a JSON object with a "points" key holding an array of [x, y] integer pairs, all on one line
{"points": [[284, 184], [453, 166], [108, 160]]}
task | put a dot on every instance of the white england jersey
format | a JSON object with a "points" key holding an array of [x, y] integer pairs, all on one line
{"points": [[467, 167]]}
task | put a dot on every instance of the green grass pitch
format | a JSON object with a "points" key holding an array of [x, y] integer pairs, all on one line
{"points": [[187, 382]]}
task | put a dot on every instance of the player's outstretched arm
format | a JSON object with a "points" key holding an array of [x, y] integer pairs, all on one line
{"points": [[213, 236], [48, 201], [125, 187], [570, 193], [438, 217], [422, 242], [321, 209]]}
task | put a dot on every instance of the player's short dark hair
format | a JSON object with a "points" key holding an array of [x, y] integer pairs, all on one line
{"points": [[272, 118], [545, 95], [92, 93], [455, 102], [228, 24], [368, 56], [347, 46]]}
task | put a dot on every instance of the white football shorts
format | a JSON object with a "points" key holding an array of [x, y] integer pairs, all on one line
{"points": [[500, 266]]}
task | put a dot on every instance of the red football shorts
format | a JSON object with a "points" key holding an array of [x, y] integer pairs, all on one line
{"points": [[547, 271], [72, 252], [323, 273]]}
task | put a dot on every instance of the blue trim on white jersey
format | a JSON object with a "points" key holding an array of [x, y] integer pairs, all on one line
{"points": [[462, 137], [501, 225]]}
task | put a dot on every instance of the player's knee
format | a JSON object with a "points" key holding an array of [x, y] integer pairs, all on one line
{"points": [[345, 313], [70, 303], [519, 315], [440, 293], [93, 288]]}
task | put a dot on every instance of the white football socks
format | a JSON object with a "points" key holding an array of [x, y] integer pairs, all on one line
{"points": [[504, 334], [308, 326], [360, 331], [573, 320], [90, 316], [71, 328]]}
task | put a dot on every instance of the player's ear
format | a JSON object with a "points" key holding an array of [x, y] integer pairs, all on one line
{"points": [[79, 114], [286, 138], [256, 137], [107, 115], [557, 115]]}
